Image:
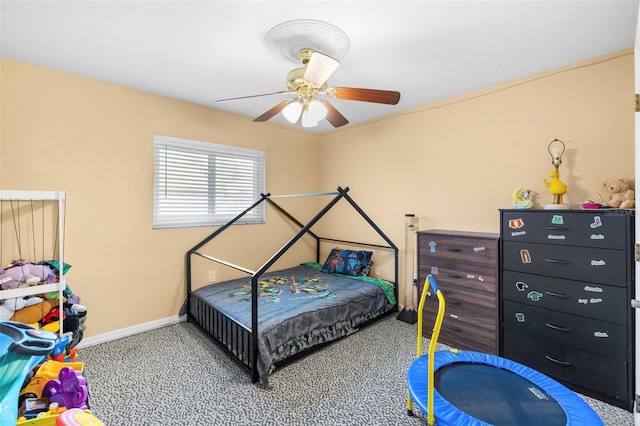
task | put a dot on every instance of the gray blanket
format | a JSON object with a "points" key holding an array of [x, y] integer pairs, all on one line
{"points": [[298, 308]]}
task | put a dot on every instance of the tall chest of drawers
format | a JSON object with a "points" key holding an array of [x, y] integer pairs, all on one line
{"points": [[567, 278], [465, 265]]}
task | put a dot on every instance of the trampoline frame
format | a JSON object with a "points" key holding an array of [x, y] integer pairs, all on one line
{"points": [[576, 410]]}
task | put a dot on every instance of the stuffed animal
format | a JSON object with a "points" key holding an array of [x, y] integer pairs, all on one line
{"points": [[34, 312], [10, 306], [622, 197], [24, 274]]}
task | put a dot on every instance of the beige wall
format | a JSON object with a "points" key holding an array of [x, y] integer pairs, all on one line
{"points": [[95, 141], [453, 163]]}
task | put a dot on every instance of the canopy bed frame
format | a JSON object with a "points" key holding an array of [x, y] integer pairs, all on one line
{"points": [[240, 338]]}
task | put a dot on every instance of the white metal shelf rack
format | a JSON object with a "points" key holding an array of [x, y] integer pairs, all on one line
{"points": [[60, 286]]}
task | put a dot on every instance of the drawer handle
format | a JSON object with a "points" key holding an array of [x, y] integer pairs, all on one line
{"points": [[557, 361], [454, 302], [457, 277], [556, 228], [555, 327], [557, 261], [456, 329], [551, 293], [454, 250]]}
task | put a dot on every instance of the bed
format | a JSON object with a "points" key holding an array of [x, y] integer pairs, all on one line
{"points": [[270, 317]]}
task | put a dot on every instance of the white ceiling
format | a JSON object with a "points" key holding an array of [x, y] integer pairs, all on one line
{"points": [[201, 51]]}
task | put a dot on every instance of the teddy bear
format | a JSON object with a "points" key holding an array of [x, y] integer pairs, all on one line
{"points": [[9, 307], [23, 274], [622, 197]]}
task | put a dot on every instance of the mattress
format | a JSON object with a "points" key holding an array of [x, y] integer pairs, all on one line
{"points": [[299, 308]]}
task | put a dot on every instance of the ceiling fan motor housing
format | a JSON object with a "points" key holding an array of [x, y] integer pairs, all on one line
{"points": [[297, 84]]}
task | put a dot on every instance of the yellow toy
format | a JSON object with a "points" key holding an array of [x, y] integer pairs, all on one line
{"points": [[62, 417], [622, 197], [49, 370], [557, 188], [35, 312]]}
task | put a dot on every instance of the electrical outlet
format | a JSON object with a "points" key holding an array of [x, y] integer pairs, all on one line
{"points": [[212, 276], [376, 271]]}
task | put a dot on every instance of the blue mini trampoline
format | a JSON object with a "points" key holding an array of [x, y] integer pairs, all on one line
{"points": [[471, 388]]}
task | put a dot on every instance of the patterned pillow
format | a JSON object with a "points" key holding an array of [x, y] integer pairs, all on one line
{"points": [[348, 262]]}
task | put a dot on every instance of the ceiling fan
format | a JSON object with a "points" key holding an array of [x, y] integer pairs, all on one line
{"points": [[310, 80]]}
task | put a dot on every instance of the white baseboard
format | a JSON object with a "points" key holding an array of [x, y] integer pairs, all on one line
{"points": [[130, 331]]}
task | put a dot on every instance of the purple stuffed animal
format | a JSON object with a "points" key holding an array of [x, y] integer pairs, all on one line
{"points": [[24, 274]]}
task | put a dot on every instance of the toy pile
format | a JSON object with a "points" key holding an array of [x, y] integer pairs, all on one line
{"points": [[35, 389], [40, 381], [43, 311]]}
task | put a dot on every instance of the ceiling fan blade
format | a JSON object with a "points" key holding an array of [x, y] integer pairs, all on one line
{"points": [[319, 68], [254, 96], [333, 115], [273, 111], [365, 95]]}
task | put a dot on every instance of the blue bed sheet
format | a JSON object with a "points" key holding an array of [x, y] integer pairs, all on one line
{"points": [[299, 307]]}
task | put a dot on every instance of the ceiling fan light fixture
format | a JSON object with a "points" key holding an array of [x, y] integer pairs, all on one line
{"points": [[316, 111], [307, 120], [292, 111], [320, 68]]}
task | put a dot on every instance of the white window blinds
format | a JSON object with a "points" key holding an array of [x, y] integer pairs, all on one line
{"points": [[203, 184]]}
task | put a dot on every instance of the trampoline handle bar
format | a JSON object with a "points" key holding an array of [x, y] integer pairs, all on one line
{"points": [[453, 250], [555, 327], [557, 361], [551, 293]]}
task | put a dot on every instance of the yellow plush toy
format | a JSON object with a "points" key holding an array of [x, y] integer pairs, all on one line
{"points": [[9, 307], [622, 196], [557, 188], [34, 313]]}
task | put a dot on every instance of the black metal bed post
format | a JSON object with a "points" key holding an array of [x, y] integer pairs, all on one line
{"points": [[209, 238], [187, 302], [254, 328], [267, 265], [382, 234]]}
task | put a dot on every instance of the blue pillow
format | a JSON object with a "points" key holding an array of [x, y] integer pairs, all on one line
{"points": [[348, 262]]}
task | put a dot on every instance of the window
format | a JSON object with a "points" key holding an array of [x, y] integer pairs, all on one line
{"points": [[204, 184]]}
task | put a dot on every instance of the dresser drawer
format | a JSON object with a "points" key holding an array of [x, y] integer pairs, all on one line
{"points": [[572, 366], [453, 248], [604, 266], [597, 301], [465, 265], [602, 228], [477, 310], [461, 334], [473, 278], [599, 337]]}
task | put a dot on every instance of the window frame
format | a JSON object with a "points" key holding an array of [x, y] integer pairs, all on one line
{"points": [[207, 176]]}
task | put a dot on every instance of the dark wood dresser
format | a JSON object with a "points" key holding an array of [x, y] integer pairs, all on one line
{"points": [[465, 266], [567, 278]]}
